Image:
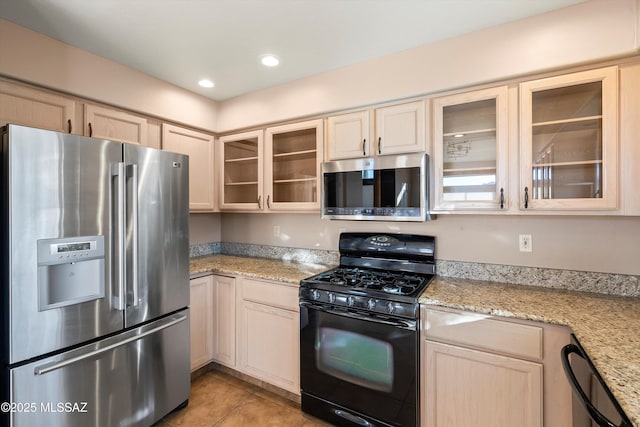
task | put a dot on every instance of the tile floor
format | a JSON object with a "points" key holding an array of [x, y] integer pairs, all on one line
{"points": [[220, 400]]}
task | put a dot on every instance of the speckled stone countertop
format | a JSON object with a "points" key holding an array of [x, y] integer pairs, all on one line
{"points": [[608, 327], [262, 268]]}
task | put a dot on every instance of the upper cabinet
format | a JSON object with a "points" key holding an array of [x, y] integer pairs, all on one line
{"points": [[274, 170], [241, 171], [23, 105], [199, 147], [100, 122], [569, 142], [398, 129], [470, 150], [293, 154]]}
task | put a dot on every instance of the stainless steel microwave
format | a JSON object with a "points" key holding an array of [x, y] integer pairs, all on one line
{"points": [[385, 188]]}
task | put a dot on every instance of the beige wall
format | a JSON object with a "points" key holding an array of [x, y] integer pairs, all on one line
{"points": [[204, 228], [600, 244], [37, 59], [582, 33]]}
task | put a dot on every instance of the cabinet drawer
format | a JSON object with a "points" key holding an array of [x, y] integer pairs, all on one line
{"points": [[270, 293], [480, 331]]}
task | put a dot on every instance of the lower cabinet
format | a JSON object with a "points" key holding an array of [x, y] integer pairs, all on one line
{"points": [[213, 320], [249, 325], [489, 371], [269, 333]]}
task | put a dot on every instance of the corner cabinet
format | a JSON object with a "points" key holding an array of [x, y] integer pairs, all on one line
{"points": [[569, 141], [399, 129], [470, 151], [241, 176], [293, 154], [199, 147], [201, 318]]}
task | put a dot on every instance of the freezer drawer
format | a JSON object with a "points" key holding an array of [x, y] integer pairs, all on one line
{"points": [[130, 379]]}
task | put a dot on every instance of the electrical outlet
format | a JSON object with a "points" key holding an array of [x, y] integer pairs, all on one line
{"points": [[526, 243], [276, 231]]}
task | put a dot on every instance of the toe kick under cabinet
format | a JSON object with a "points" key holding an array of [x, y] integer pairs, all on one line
{"points": [[489, 371]]}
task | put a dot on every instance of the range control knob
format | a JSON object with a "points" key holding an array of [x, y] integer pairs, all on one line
{"points": [[371, 304], [391, 308], [315, 294], [351, 301], [332, 298]]}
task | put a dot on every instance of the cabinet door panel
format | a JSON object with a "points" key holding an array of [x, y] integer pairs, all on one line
{"points": [[569, 141], [224, 320], [199, 147], [348, 136], [200, 330], [114, 125], [400, 129], [270, 345], [468, 388], [240, 161], [30, 107]]}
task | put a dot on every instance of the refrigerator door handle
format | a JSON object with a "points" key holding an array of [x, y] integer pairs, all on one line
{"points": [[167, 323], [118, 299], [134, 232]]}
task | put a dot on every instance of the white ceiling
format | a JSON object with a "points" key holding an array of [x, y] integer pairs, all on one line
{"points": [[183, 41]]}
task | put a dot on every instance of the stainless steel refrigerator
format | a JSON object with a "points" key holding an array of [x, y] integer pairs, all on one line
{"points": [[95, 281]]}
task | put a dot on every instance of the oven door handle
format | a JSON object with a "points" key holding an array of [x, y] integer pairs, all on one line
{"points": [[404, 324]]}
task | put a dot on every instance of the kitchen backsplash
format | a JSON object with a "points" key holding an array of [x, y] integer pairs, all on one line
{"points": [[585, 281]]}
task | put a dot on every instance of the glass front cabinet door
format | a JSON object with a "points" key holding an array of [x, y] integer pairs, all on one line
{"points": [[569, 141], [293, 154], [241, 170], [470, 151]]}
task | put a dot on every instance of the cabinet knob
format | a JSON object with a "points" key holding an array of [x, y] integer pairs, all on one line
{"points": [[502, 198], [69, 125], [364, 145], [90, 130], [526, 197], [269, 201], [259, 202], [379, 145]]}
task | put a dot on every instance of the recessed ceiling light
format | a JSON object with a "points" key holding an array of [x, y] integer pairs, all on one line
{"points": [[206, 83], [269, 60]]}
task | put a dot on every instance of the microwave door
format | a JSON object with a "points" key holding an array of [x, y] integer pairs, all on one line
{"points": [[58, 208]]}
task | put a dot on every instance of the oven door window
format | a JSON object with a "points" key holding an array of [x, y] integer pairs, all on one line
{"points": [[356, 358]]}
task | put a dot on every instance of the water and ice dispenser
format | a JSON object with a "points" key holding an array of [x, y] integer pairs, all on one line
{"points": [[70, 271]]}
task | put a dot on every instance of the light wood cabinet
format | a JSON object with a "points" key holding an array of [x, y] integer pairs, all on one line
{"points": [[569, 141], [241, 171], [213, 320], [348, 136], [106, 123], [398, 129], [293, 154], [469, 387], [470, 151], [201, 315], [487, 370], [269, 333], [223, 293], [26, 106], [199, 147]]}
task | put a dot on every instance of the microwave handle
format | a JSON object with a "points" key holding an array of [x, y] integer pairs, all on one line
{"points": [[600, 419]]}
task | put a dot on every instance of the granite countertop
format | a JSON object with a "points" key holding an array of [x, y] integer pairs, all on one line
{"points": [[262, 268], [606, 326]]}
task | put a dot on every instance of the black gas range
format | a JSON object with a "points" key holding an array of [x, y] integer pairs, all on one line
{"points": [[359, 331]]}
